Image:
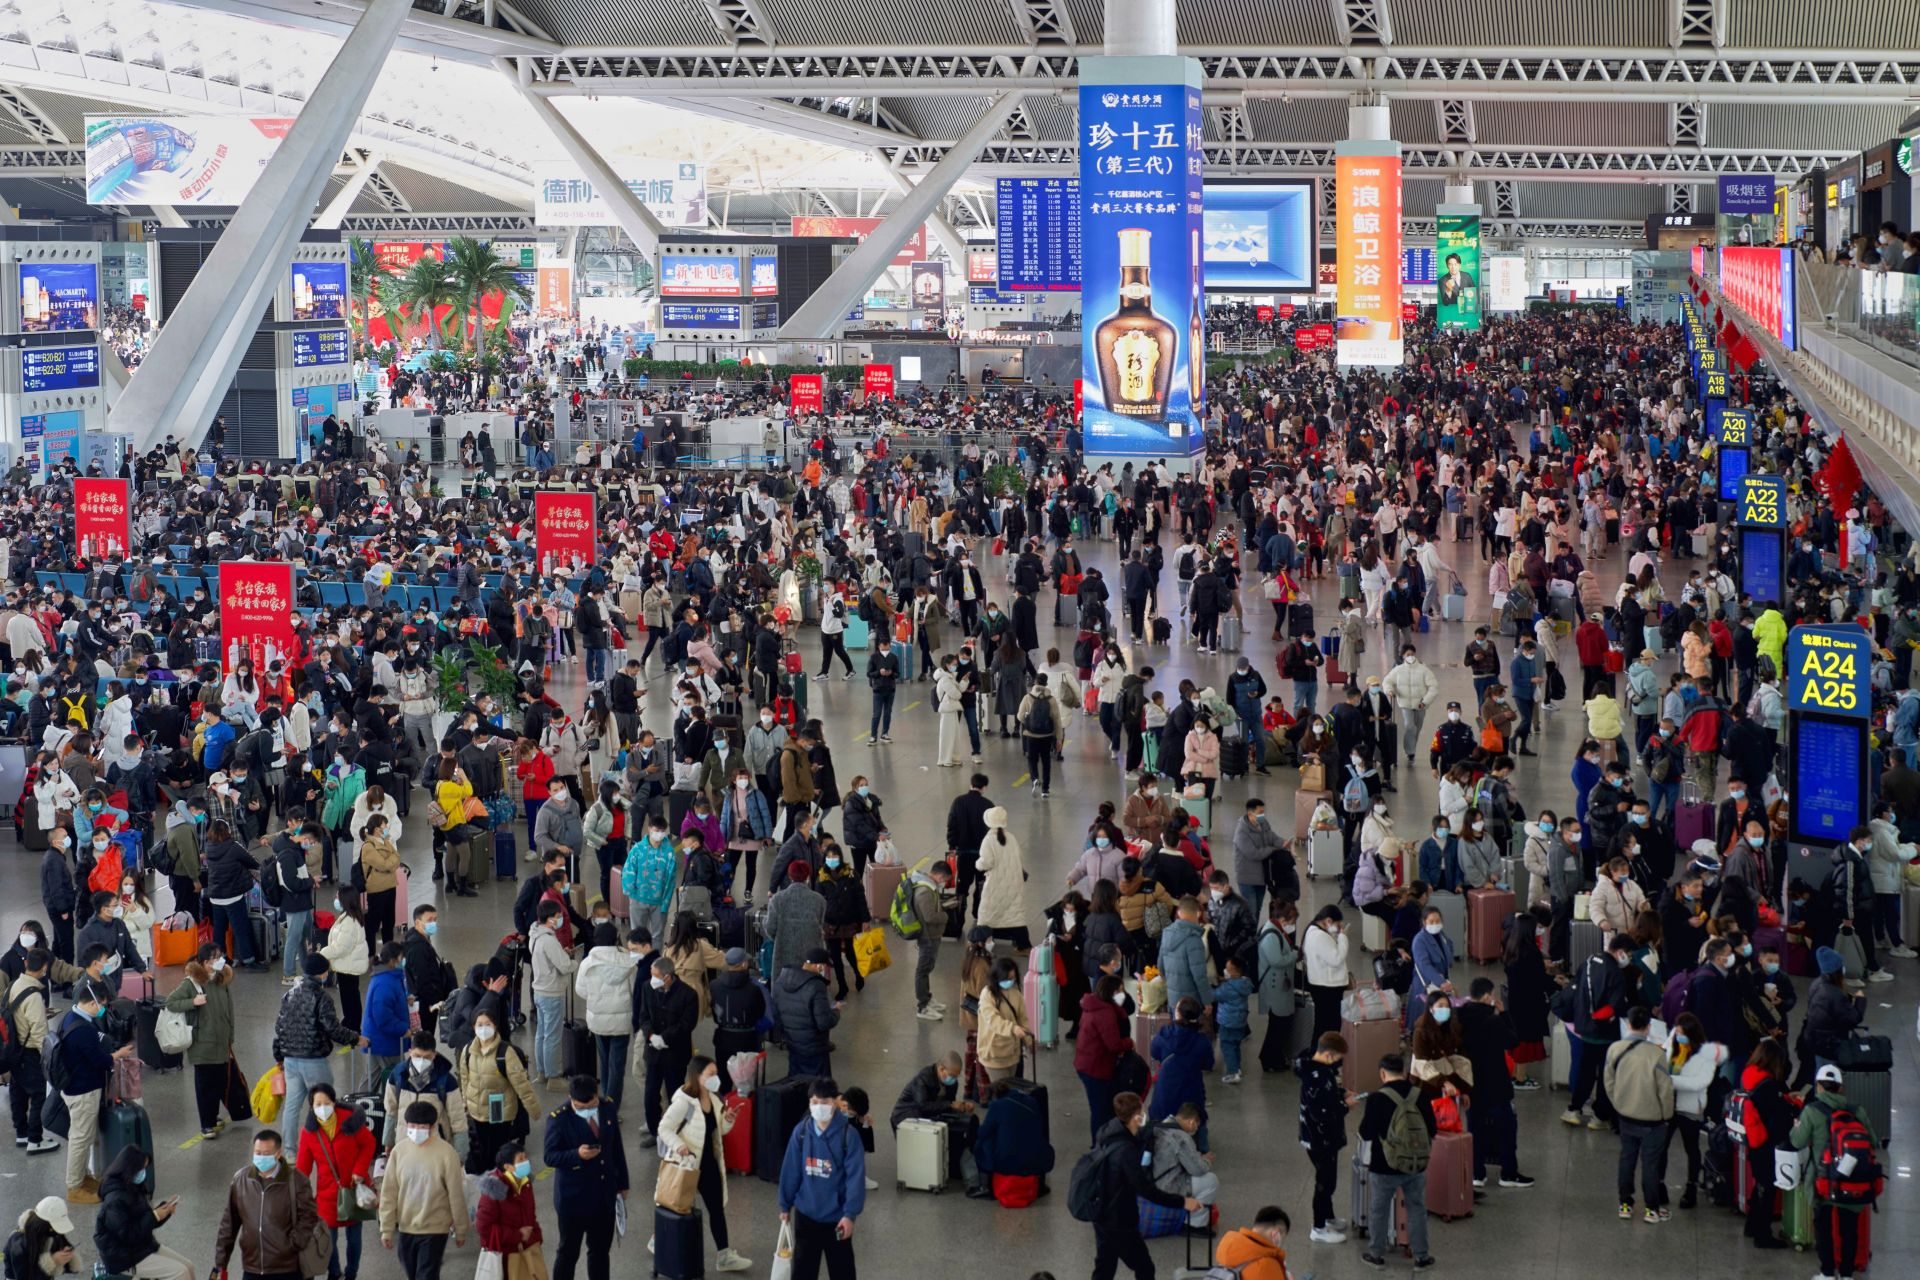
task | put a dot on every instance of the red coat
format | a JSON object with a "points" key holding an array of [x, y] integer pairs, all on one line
{"points": [[1590, 639], [353, 1147], [502, 1212], [1103, 1037]]}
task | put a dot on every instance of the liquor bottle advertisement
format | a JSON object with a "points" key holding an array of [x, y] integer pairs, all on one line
{"points": [[1142, 292], [1459, 279]]}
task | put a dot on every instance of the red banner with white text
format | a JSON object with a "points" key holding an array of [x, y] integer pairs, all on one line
{"points": [[563, 530], [102, 517], [807, 393], [877, 381], [256, 612]]}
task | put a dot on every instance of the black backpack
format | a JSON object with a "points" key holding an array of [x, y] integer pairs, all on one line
{"points": [[1087, 1191], [1039, 722], [13, 1045]]}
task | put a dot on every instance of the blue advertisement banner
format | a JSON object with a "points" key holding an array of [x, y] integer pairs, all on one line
{"points": [[59, 368], [319, 290], [1741, 194], [60, 437], [1038, 230], [313, 347], [59, 295], [698, 315], [1142, 219]]}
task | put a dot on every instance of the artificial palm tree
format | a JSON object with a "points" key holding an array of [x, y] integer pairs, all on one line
{"points": [[369, 276], [422, 289], [476, 271]]}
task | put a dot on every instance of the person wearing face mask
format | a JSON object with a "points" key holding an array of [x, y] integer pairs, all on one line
{"points": [[1617, 901], [823, 1186], [1601, 993], [495, 1091], [27, 1001], [650, 877], [691, 1133], [606, 982], [336, 1149], [270, 1214], [125, 1229], [306, 1031], [422, 1196], [87, 1061], [205, 996], [58, 893], [1453, 742], [108, 929], [1439, 857], [506, 1217], [933, 1095], [666, 1012]]}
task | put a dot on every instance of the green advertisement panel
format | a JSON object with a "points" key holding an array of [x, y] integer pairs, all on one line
{"points": [[1459, 252]]}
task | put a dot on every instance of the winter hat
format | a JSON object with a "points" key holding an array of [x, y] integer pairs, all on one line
{"points": [[1829, 961], [995, 818]]}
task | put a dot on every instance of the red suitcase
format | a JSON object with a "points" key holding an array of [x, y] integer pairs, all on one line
{"points": [[1488, 911], [1367, 1043], [1450, 1176], [737, 1146]]}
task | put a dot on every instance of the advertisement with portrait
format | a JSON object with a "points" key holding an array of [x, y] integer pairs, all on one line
{"points": [[1142, 221], [1367, 325], [1458, 286]]}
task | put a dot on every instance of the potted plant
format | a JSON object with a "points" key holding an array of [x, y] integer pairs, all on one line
{"points": [[450, 691], [488, 665], [1004, 480]]}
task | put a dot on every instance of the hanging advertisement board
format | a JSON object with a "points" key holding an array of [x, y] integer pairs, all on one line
{"points": [[674, 191], [1458, 297], [1367, 324]]}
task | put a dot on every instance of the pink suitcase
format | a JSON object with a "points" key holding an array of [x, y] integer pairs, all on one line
{"points": [[402, 913], [1450, 1176], [136, 986], [1487, 913], [1691, 822], [1367, 1043], [882, 883], [1145, 1027]]}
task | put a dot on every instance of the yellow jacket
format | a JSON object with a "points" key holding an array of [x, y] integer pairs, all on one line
{"points": [[453, 797]]}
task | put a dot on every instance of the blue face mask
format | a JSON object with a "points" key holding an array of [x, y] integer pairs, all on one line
{"points": [[1639, 819], [1442, 1013], [589, 1114], [1770, 966], [139, 1176], [1102, 842], [200, 818], [266, 1164], [866, 791], [1441, 833], [1680, 1038], [1006, 984], [523, 1170], [833, 864], [430, 928]]}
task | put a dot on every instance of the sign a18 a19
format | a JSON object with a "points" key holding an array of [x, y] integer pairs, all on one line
{"points": [[1828, 669]]}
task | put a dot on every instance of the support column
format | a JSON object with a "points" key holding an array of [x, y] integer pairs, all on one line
{"points": [[336, 211], [819, 315], [943, 230], [633, 216], [1140, 28], [178, 385], [168, 216]]}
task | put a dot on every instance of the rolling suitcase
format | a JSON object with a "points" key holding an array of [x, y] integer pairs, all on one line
{"points": [[1866, 1068], [1304, 803], [1233, 755], [778, 1106], [1909, 912], [1367, 1043], [1691, 822], [1487, 913], [1145, 1027], [1453, 606], [1035, 1093], [679, 1244], [1373, 932], [1161, 630], [1042, 991], [730, 922], [1230, 633], [147, 1021], [506, 854], [125, 1124], [372, 1109], [577, 1056], [1583, 942], [1559, 1055], [1453, 913], [1796, 1214], [1325, 854], [737, 1146], [920, 1156], [882, 882], [1200, 809], [1450, 1176]]}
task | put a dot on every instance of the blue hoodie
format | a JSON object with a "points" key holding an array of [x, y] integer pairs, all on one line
{"points": [[824, 1175], [384, 1020]]}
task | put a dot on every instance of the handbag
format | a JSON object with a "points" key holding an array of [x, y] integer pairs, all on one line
{"points": [[1313, 777], [1852, 953], [676, 1185], [317, 1251], [870, 952], [347, 1203], [782, 1254], [1446, 1116], [239, 1097], [492, 1266], [473, 808], [266, 1099]]}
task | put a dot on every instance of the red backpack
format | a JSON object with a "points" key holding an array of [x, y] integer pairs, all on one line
{"points": [[1847, 1137]]}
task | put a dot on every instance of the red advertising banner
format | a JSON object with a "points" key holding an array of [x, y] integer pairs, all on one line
{"points": [[256, 612], [1323, 334], [1760, 283], [1263, 314], [1306, 338], [806, 393], [877, 380], [1284, 311], [914, 250], [102, 517], [1409, 312], [563, 530], [1079, 398]]}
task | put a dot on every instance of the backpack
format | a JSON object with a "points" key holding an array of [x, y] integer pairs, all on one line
{"points": [[1662, 768], [1087, 1191], [1406, 1144], [13, 1046], [1847, 1171], [1185, 567], [1673, 1000], [1039, 721], [1354, 797], [54, 1059], [1733, 1117], [901, 915], [273, 887]]}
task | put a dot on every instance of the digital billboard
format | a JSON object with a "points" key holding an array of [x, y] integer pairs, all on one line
{"points": [[764, 276], [59, 295], [694, 315], [813, 225], [319, 291], [1458, 303], [1260, 237], [1760, 283], [179, 160], [1367, 322], [698, 276], [314, 347]]}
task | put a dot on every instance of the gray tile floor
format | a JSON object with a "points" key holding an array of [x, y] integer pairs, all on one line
{"points": [[1563, 1227]]}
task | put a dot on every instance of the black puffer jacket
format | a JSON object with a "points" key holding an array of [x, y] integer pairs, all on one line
{"points": [[123, 1231], [803, 1011], [228, 869], [308, 1025]]}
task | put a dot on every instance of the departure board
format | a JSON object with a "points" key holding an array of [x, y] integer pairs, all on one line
{"points": [[1039, 230], [59, 368], [1419, 266], [320, 346]]}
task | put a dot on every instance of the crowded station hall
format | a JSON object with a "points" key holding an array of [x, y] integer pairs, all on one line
{"points": [[1056, 639]]}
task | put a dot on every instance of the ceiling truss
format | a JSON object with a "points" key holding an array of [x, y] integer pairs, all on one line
{"points": [[1686, 124], [1363, 21], [1506, 199], [1454, 117], [741, 22], [1697, 24], [1043, 21]]}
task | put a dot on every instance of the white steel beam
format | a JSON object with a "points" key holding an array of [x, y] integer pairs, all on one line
{"points": [[1043, 21], [194, 358], [1699, 24], [742, 22], [1686, 124], [15, 102], [633, 217], [943, 229], [1363, 21], [822, 313], [335, 213]]}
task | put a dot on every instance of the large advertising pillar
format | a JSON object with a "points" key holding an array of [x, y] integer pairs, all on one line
{"points": [[1457, 233], [1143, 310], [1366, 191]]}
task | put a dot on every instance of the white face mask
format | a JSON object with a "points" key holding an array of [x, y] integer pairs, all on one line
{"points": [[1454, 716], [1066, 918], [418, 1136], [1435, 927], [484, 1032], [657, 982], [710, 1083], [28, 941], [820, 1111], [323, 1111]]}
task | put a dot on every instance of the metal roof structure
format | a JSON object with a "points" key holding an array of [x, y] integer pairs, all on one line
{"points": [[1579, 117]]}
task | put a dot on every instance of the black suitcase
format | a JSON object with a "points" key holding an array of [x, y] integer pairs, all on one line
{"points": [[679, 1244], [1299, 619], [1162, 630], [577, 1057], [1233, 756], [777, 1108], [679, 804], [372, 1108], [146, 1036], [1036, 1093], [125, 1124]]}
